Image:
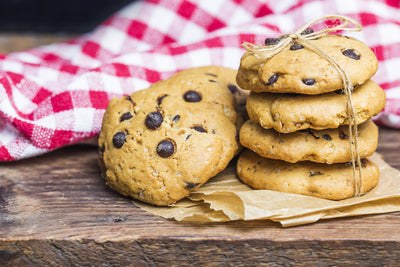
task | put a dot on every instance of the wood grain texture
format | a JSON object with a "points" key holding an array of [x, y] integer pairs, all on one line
{"points": [[56, 210]]}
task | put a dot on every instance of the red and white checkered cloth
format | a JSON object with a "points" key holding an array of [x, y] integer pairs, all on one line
{"points": [[56, 95]]}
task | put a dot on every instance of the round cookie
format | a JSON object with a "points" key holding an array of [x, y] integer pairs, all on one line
{"points": [[158, 144], [299, 70], [323, 146], [288, 113], [333, 181]]}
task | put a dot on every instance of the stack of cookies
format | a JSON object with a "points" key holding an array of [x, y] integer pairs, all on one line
{"points": [[298, 135]]}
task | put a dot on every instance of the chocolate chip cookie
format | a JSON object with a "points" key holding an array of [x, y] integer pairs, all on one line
{"points": [[158, 144], [300, 70], [292, 112], [329, 181], [323, 146]]}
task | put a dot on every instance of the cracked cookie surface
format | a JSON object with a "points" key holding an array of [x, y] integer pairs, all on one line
{"points": [[303, 71], [292, 112], [329, 181], [159, 144], [323, 146]]}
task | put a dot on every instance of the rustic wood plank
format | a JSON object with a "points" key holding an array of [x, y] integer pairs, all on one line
{"points": [[56, 210]]}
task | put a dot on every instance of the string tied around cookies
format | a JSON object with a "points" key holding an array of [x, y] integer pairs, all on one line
{"points": [[302, 37]]}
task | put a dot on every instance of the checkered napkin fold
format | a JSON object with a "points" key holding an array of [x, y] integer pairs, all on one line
{"points": [[56, 95]]}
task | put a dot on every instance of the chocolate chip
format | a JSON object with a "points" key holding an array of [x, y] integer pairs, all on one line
{"points": [[364, 162], [307, 31], [340, 92], [233, 89], [272, 79], [176, 118], [187, 137], [130, 99], [212, 81], [119, 139], [311, 174], [310, 132], [294, 47], [192, 96], [102, 149], [166, 148], [308, 81], [211, 74], [327, 137], [153, 120], [351, 54], [160, 99], [199, 129], [343, 136], [272, 41], [191, 185], [125, 116]]}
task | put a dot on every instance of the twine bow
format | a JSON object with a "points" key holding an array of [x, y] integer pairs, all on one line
{"points": [[302, 37]]}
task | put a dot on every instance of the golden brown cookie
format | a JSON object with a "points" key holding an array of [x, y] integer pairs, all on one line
{"points": [[299, 70], [292, 112], [323, 146], [333, 181], [160, 143]]}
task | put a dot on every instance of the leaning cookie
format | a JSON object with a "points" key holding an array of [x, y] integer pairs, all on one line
{"points": [[158, 144], [292, 112], [323, 146], [333, 182], [300, 70]]}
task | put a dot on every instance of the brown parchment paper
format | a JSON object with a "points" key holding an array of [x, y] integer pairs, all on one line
{"points": [[225, 198]]}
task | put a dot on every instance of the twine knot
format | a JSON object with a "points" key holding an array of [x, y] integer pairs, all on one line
{"points": [[294, 36]]}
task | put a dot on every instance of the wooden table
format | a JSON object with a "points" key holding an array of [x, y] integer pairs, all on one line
{"points": [[56, 210]]}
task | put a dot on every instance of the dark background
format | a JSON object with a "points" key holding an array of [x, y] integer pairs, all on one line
{"points": [[50, 16]]}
